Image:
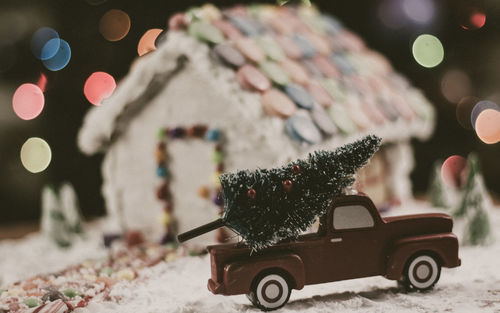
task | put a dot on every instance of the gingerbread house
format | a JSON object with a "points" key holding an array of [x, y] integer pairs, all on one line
{"points": [[246, 87]]}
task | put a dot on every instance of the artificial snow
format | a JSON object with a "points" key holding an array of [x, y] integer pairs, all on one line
{"points": [[180, 285]]}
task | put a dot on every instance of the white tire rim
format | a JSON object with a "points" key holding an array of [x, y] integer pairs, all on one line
{"points": [[272, 291], [423, 271]]}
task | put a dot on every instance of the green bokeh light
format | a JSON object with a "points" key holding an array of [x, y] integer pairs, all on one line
{"points": [[428, 51], [36, 154]]}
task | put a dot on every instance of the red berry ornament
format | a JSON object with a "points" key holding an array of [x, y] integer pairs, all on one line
{"points": [[287, 185], [296, 169], [251, 193]]}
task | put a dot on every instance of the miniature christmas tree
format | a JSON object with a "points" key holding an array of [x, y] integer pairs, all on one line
{"points": [[438, 192], [474, 205], [70, 208], [268, 205], [53, 223]]}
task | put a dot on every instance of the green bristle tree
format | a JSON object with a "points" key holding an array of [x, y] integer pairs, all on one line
{"points": [[268, 205]]}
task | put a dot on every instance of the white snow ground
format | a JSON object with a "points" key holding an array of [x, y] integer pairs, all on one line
{"points": [[180, 285]]}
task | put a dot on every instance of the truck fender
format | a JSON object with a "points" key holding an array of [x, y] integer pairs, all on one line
{"points": [[444, 246], [239, 275]]}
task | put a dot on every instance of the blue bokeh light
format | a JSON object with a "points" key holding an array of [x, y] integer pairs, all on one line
{"points": [[480, 107], [45, 43], [60, 59]]}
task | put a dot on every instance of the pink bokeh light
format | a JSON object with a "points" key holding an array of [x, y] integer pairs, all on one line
{"points": [[98, 87], [452, 171], [28, 101]]}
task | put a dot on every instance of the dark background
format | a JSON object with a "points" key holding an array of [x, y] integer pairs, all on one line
{"points": [[475, 52]]}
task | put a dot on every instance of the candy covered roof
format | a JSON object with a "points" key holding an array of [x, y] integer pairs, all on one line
{"points": [[309, 70]]}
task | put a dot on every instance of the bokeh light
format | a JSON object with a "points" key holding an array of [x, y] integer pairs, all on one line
{"points": [[464, 110], [60, 59], [45, 43], [36, 154], [28, 101], [42, 82], [473, 19], [428, 50], [488, 126], [480, 107], [98, 86], [390, 13], [147, 41], [114, 25], [452, 171], [421, 11], [455, 85]]}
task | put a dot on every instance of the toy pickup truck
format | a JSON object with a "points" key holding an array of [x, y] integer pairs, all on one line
{"points": [[353, 241]]}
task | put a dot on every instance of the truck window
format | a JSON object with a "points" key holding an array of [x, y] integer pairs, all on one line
{"points": [[351, 217]]}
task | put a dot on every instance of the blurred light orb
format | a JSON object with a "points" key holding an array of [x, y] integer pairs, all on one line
{"points": [[455, 85], [452, 171], [36, 154], [147, 41], [475, 19], [391, 14], [428, 50], [421, 11], [45, 43], [480, 107], [60, 59], [98, 87], [28, 101], [464, 110], [488, 126], [42, 82], [114, 25]]}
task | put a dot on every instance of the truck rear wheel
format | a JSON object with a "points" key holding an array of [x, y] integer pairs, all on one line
{"points": [[421, 273], [270, 291]]}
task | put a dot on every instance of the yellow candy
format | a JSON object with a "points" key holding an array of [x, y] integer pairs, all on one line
{"points": [[125, 274], [171, 256], [216, 179], [211, 12], [165, 218], [15, 291], [160, 155], [89, 277]]}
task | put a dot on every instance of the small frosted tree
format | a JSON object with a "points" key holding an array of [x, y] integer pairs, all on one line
{"points": [[474, 205], [438, 193]]}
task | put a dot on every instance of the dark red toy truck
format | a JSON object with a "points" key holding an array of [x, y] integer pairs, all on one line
{"points": [[353, 241]]}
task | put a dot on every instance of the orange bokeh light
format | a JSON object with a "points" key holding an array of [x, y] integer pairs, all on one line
{"points": [[114, 25], [488, 126], [147, 41]]}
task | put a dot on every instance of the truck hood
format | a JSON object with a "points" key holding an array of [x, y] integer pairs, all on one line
{"points": [[419, 224]]}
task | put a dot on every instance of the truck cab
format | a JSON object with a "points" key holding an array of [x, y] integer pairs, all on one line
{"points": [[352, 241]]}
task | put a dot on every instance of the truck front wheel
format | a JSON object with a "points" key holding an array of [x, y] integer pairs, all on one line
{"points": [[270, 291], [422, 273]]}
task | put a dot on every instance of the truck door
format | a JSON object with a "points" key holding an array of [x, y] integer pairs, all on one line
{"points": [[354, 247]]}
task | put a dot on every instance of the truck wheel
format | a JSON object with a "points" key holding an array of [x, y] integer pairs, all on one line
{"points": [[270, 291], [422, 273]]}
